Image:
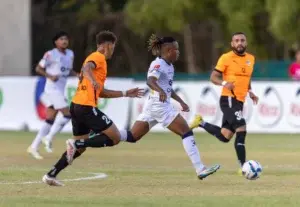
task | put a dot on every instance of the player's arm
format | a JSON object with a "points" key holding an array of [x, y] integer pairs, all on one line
{"points": [[133, 93], [177, 98], [87, 72], [152, 83], [42, 71], [216, 76]]}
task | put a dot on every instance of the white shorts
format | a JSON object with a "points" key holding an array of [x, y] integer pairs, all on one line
{"points": [[55, 99], [155, 112]]}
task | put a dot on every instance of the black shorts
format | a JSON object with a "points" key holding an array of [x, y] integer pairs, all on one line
{"points": [[232, 113], [87, 118]]}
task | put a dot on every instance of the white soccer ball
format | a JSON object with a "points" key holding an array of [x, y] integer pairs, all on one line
{"points": [[252, 170]]}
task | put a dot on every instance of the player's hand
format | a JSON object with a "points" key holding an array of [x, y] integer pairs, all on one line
{"points": [[229, 86], [96, 85], [162, 96], [54, 78], [253, 97], [185, 107], [135, 93]]}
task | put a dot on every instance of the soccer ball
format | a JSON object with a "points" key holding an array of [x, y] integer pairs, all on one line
{"points": [[252, 170]]}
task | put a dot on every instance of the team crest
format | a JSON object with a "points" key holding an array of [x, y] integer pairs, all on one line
{"points": [[248, 62]]}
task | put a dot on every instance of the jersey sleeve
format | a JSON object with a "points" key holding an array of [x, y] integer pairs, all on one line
{"points": [[95, 59], [221, 64], [154, 70], [46, 60]]}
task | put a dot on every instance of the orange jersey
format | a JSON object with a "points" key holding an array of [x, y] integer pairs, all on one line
{"points": [[237, 69], [86, 94]]}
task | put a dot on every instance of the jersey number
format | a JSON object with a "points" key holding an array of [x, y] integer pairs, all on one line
{"points": [[239, 115], [106, 119]]}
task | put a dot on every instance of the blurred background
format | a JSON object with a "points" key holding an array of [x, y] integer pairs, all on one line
{"points": [[202, 27]]}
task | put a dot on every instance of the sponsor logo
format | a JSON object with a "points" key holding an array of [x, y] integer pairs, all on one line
{"points": [[208, 105], [270, 108]]}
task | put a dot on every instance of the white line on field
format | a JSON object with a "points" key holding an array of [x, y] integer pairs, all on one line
{"points": [[94, 177]]}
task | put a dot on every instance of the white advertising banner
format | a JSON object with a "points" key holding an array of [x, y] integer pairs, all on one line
{"points": [[278, 110], [21, 106]]}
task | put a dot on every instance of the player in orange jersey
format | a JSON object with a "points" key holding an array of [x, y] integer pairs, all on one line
{"points": [[85, 115], [233, 72]]}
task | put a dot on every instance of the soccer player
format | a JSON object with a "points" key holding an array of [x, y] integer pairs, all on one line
{"points": [[56, 66], [86, 117], [233, 72], [158, 108]]}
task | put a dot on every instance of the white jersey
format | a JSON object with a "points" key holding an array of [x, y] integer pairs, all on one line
{"points": [[58, 64], [164, 73]]}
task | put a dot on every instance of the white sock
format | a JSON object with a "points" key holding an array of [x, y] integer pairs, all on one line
{"points": [[123, 135], [42, 133], [59, 123], [192, 151]]}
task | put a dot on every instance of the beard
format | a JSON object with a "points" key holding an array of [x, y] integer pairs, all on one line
{"points": [[239, 51]]}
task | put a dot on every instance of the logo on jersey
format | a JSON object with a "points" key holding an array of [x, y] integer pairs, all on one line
{"points": [[294, 110], [248, 62], [270, 108], [156, 66], [39, 106]]}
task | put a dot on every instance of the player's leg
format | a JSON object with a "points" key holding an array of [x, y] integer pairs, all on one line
{"points": [[179, 126], [140, 128], [106, 132], [239, 144], [61, 105], [80, 131], [223, 134], [44, 130]]}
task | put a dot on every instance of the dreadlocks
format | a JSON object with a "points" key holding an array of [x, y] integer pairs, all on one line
{"points": [[155, 43]]}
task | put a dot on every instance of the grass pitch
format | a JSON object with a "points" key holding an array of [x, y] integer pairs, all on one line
{"points": [[153, 172]]}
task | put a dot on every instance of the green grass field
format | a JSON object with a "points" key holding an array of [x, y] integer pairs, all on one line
{"points": [[153, 172]]}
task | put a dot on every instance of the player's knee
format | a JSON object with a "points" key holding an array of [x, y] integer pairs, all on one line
{"points": [[49, 121], [187, 134], [227, 134], [242, 128]]}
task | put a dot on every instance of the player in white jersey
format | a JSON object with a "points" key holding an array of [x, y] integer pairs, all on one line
{"points": [[158, 108], [56, 66]]}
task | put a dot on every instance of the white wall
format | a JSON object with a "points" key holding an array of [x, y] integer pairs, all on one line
{"points": [[15, 37]]}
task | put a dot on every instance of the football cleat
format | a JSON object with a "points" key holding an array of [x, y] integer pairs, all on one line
{"points": [[51, 181], [34, 153], [208, 171], [197, 121]]}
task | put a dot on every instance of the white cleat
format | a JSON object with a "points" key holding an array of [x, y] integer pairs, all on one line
{"points": [[48, 145], [51, 181], [34, 153], [71, 149]]}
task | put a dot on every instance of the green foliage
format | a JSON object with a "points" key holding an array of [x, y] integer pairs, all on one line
{"points": [[284, 19], [157, 14]]}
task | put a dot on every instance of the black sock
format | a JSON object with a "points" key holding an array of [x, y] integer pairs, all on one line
{"points": [[239, 145], [61, 164], [130, 137], [99, 140], [215, 131]]}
